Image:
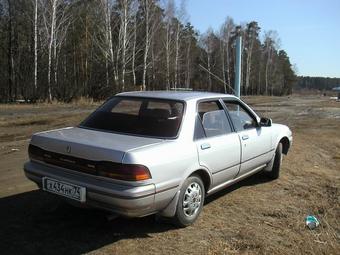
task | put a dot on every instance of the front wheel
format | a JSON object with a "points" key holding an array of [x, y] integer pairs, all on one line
{"points": [[190, 202]]}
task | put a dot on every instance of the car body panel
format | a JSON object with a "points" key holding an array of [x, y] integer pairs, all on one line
{"points": [[256, 148], [221, 155]]}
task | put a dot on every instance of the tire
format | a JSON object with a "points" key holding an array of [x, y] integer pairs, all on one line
{"points": [[190, 202], [275, 171]]}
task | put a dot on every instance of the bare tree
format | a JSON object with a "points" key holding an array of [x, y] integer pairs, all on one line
{"points": [[207, 43], [181, 16], [35, 45], [56, 22], [169, 15], [103, 38], [109, 53], [270, 42], [125, 21], [95, 47], [127, 36], [151, 26], [134, 47], [190, 42], [225, 34], [188, 69], [10, 51], [177, 42], [251, 34]]}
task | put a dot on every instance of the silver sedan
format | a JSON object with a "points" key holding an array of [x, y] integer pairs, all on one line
{"points": [[142, 153]]}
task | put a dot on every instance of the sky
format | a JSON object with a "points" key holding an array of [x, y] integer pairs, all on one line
{"points": [[309, 30]]}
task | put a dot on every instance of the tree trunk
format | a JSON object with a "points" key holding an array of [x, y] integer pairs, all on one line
{"points": [[134, 50], [147, 42], [167, 53], [267, 69], [109, 38], [177, 54], [209, 73], [35, 48], [107, 72], [55, 62], [10, 52], [124, 24], [86, 58], [223, 65], [187, 82], [228, 62], [50, 45], [248, 69]]}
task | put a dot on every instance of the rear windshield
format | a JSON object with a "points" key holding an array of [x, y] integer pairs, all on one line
{"points": [[138, 116]]}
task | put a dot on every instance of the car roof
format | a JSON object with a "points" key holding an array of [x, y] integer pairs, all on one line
{"points": [[175, 95]]}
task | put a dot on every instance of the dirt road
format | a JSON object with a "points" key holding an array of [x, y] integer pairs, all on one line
{"points": [[254, 216]]}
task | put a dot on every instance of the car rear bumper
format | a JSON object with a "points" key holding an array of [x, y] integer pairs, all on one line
{"points": [[130, 201]]}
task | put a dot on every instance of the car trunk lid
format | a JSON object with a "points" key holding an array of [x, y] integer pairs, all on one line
{"points": [[90, 144]]}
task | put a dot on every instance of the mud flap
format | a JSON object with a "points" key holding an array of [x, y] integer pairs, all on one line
{"points": [[269, 166], [170, 210]]}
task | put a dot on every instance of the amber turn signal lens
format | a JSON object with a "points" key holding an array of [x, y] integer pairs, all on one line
{"points": [[126, 172]]}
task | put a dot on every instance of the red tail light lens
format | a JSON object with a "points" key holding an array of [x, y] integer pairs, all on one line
{"points": [[125, 172]]}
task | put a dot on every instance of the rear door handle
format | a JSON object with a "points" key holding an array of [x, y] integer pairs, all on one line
{"points": [[205, 146], [245, 137]]}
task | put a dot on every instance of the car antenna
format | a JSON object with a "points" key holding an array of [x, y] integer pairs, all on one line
{"points": [[216, 77]]}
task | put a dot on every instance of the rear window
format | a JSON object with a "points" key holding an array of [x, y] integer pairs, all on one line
{"points": [[138, 116]]}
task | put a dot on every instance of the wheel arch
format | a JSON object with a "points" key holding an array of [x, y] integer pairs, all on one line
{"points": [[205, 177], [285, 144]]}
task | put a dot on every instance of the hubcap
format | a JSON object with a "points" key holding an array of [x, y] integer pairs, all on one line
{"points": [[192, 199]]}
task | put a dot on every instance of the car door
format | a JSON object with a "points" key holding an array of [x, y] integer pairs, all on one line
{"points": [[218, 146], [255, 140]]}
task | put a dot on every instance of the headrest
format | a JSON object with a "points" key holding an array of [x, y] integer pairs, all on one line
{"points": [[156, 113]]}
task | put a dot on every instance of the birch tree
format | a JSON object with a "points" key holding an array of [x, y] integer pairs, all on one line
{"points": [[134, 44], [251, 34], [35, 3], [10, 51], [151, 26], [207, 43], [270, 41], [181, 17], [56, 22], [225, 34], [127, 36], [168, 42], [103, 38], [96, 48]]}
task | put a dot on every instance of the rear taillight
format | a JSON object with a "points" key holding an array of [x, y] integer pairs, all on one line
{"points": [[125, 172], [35, 152]]}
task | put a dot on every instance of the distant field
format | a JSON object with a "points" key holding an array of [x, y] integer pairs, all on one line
{"points": [[254, 216]]}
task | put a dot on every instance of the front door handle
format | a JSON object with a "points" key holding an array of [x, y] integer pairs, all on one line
{"points": [[205, 146], [245, 137]]}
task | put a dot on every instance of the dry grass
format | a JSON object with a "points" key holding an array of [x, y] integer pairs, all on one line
{"points": [[256, 216]]}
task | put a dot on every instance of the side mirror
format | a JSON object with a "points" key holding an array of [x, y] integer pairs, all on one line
{"points": [[265, 122]]}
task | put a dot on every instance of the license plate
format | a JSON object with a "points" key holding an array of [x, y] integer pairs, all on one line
{"points": [[64, 189]]}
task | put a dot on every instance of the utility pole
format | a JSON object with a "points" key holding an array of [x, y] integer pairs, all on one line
{"points": [[238, 70]]}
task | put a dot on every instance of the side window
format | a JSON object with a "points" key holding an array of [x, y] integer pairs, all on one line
{"points": [[241, 119], [213, 118]]}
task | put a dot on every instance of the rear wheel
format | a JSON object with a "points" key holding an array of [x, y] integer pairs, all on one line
{"points": [[190, 202], [275, 171]]}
